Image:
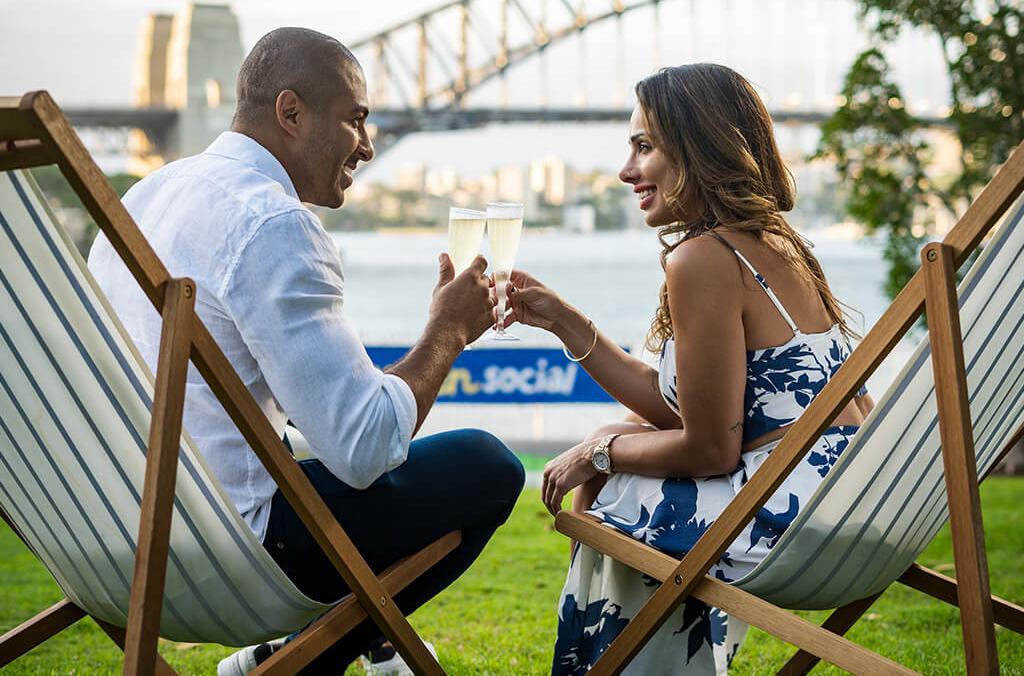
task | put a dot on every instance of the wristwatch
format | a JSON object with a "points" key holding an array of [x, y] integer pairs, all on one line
{"points": [[601, 457]]}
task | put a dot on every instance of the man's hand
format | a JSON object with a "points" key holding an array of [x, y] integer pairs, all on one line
{"points": [[460, 311], [462, 303]]}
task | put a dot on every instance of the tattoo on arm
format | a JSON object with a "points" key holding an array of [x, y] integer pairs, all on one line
{"points": [[738, 427]]}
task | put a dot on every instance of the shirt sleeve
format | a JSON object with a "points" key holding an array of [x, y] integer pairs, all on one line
{"points": [[285, 295]]}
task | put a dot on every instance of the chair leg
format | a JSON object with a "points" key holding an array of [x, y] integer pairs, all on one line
{"points": [[117, 635], [144, 607], [791, 628], [35, 631], [341, 619], [918, 577], [839, 622], [959, 460], [944, 588]]}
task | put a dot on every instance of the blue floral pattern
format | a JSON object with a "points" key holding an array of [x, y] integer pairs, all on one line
{"points": [[781, 382], [824, 456], [602, 594], [584, 634], [672, 527]]}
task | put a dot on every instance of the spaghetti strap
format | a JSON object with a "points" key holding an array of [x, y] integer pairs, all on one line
{"points": [[760, 280]]}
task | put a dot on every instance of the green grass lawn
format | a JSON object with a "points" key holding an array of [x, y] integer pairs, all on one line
{"points": [[499, 618]]}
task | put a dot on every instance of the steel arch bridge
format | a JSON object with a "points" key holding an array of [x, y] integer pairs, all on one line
{"points": [[394, 64], [440, 69], [420, 78], [422, 70]]}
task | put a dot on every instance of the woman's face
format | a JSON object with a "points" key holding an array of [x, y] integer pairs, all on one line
{"points": [[651, 173]]}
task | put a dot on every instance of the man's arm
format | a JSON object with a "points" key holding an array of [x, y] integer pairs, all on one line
{"points": [[284, 294], [461, 310]]}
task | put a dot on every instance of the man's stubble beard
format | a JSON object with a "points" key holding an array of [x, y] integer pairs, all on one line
{"points": [[318, 157]]}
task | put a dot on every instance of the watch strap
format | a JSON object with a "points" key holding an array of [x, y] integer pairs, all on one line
{"points": [[604, 447]]}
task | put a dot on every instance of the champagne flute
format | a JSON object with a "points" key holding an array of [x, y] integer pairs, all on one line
{"points": [[504, 226], [465, 232]]}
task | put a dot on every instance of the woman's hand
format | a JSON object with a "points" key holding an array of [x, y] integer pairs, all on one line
{"points": [[533, 303], [566, 472]]}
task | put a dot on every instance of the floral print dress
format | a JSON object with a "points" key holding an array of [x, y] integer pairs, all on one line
{"points": [[601, 594]]}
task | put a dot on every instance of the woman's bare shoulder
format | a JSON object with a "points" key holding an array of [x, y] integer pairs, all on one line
{"points": [[702, 260]]}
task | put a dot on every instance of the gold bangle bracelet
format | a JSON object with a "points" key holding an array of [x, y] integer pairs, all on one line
{"points": [[576, 360]]}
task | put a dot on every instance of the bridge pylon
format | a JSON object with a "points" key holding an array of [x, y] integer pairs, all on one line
{"points": [[187, 63]]}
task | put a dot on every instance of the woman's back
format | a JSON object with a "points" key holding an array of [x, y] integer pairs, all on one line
{"points": [[792, 346], [763, 325]]}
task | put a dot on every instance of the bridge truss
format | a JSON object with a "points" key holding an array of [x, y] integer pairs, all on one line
{"points": [[454, 66]]}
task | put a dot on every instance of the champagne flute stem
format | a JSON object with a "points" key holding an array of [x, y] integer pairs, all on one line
{"points": [[499, 326]]}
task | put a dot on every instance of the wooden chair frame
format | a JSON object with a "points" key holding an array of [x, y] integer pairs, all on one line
{"points": [[933, 288], [34, 132]]}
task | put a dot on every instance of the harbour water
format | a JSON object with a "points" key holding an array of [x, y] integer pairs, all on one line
{"points": [[614, 277]]}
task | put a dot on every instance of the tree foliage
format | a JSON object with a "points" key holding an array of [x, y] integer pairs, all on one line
{"points": [[882, 152]]}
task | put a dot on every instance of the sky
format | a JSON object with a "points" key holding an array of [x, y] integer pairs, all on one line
{"points": [[84, 52], [794, 51]]}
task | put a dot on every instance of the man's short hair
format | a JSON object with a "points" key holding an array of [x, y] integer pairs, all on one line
{"points": [[302, 60]]}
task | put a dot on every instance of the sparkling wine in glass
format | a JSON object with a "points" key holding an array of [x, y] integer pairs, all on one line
{"points": [[465, 232], [504, 226]]}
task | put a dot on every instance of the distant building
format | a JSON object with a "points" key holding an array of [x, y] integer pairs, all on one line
{"points": [[552, 180], [441, 181], [511, 184], [579, 218], [411, 177]]}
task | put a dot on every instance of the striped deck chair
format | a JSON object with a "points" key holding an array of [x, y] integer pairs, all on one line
{"points": [[914, 463], [96, 474]]}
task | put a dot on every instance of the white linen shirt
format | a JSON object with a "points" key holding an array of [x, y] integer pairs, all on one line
{"points": [[270, 290]]}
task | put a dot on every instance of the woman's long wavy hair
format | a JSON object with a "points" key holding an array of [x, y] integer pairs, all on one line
{"points": [[713, 126]]}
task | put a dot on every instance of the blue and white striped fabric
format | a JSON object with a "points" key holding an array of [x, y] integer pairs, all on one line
{"points": [[885, 498], [75, 405]]}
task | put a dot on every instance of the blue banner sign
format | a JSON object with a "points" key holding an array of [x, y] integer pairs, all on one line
{"points": [[487, 375]]}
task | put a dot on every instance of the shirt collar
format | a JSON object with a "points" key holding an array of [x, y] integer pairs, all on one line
{"points": [[246, 149]]}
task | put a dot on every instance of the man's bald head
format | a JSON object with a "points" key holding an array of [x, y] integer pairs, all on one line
{"points": [[304, 61]]}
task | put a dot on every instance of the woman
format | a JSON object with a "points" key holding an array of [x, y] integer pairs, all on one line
{"points": [[740, 360]]}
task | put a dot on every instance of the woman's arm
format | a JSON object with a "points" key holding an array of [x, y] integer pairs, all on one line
{"points": [[629, 380], [626, 378], [705, 303], [864, 404]]}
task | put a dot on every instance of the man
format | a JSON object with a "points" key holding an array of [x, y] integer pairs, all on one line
{"points": [[270, 289]]}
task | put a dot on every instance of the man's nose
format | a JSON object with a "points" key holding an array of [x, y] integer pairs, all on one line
{"points": [[366, 151]]}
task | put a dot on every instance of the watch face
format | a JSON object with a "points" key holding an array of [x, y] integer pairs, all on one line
{"points": [[602, 462]]}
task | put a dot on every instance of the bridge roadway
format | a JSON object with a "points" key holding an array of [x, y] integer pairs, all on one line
{"points": [[399, 121]]}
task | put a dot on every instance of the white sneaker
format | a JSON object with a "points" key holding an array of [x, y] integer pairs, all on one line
{"points": [[393, 665], [245, 660]]}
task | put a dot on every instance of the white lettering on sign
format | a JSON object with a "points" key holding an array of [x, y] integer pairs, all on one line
{"points": [[538, 379]]}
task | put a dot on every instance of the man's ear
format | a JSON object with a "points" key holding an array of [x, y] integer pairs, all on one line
{"points": [[290, 111]]}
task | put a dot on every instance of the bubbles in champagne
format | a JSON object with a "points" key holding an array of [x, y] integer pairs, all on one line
{"points": [[464, 237], [504, 237]]}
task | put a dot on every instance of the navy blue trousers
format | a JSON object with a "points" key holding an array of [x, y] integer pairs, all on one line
{"points": [[463, 480]]}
